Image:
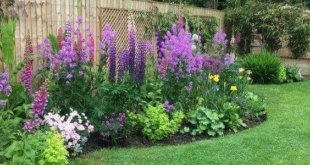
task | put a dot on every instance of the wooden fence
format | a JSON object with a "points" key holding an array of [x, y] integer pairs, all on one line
{"points": [[42, 17]]}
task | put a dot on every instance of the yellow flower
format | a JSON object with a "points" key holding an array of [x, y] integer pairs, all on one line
{"points": [[233, 88], [240, 70], [249, 78], [216, 78], [240, 77], [248, 72], [210, 77]]}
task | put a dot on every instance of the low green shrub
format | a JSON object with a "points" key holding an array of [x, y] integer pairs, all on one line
{"points": [[282, 74], [293, 74], [157, 123], [265, 67]]}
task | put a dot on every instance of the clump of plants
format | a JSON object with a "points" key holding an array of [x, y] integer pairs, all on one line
{"points": [[265, 67]]}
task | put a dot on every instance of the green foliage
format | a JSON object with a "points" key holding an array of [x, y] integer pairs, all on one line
{"points": [[293, 74], [55, 153], [265, 67], [275, 25], [157, 124], [54, 43], [231, 117], [7, 40], [299, 40], [41, 148], [254, 106], [205, 120], [206, 28], [282, 74]]}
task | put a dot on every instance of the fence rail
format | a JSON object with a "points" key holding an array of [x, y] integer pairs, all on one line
{"points": [[44, 17]]}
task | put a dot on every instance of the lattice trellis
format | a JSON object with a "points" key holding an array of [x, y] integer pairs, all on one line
{"points": [[118, 19]]}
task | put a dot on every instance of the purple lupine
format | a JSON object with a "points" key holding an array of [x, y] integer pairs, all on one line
{"points": [[122, 64], [140, 62], [160, 49], [132, 51], [26, 76], [112, 61], [40, 100], [68, 38]]}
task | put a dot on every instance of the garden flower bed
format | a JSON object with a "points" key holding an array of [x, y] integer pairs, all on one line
{"points": [[129, 98]]}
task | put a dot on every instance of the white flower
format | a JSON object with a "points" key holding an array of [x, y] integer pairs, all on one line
{"points": [[195, 37], [194, 47]]}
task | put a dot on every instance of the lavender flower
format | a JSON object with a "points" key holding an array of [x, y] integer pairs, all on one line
{"points": [[79, 20], [168, 107], [220, 40], [229, 59]]}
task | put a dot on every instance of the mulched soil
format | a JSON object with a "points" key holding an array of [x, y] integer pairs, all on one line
{"points": [[137, 141]]}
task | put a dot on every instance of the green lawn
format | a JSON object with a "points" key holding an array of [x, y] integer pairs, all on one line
{"points": [[283, 139]]}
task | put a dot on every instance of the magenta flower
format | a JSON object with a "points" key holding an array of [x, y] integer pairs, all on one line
{"points": [[26, 73], [40, 101]]}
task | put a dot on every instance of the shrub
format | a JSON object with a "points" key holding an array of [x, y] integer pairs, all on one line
{"points": [[231, 117], [265, 67], [282, 74], [157, 123], [293, 74], [55, 152]]}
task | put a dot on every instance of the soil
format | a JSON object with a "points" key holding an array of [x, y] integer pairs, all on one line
{"points": [[138, 141]]}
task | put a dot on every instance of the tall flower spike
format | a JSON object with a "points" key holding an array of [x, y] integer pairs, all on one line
{"points": [[60, 37], [92, 50], [140, 70], [132, 51], [160, 50], [112, 60], [26, 73], [40, 100], [121, 65]]}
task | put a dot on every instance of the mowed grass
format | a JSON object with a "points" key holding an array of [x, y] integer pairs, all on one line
{"points": [[283, 139]]}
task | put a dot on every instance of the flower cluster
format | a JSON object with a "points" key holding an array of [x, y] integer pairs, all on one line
{"points": [[4, 86], [71, 126], [229, 59], [215, 64], [181, 60], [39, 104], [168, 107], [113, 124], [160, 49], [40, 101], [219, 40], [26, 73]]}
